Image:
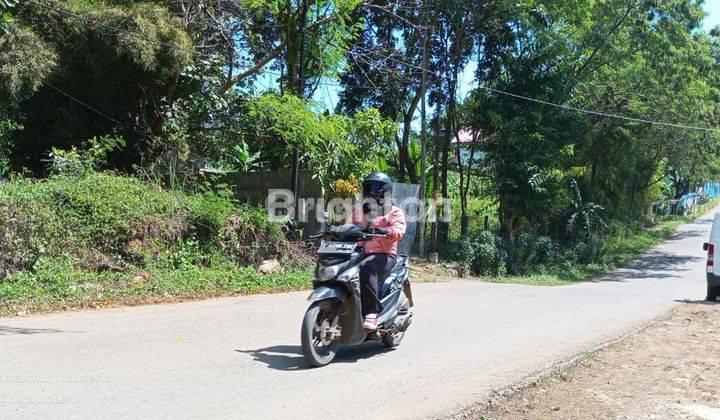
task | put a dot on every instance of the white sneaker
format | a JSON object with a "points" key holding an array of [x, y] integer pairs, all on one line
{"points": [[370, 322]]}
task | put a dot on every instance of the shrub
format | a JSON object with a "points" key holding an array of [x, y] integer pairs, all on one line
{"points": [[590, 250], [103, 221], [490, 254], [347, 188], [19, 248], [250, 237], [77, 162], [208, 215], [534, 253]]}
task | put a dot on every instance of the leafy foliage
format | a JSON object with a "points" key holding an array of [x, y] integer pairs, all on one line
{"points": [[78, 162], [217, 84], [582, 215], [7, 127], [107, 222], [347, 188], [5, 16], [331, 146], [25, 61], [117, 69]]}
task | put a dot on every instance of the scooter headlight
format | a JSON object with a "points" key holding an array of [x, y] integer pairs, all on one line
{"points": [[328, 273], [348, 274]]}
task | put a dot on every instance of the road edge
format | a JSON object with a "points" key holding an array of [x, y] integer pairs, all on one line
{"points": [[497, 397]]}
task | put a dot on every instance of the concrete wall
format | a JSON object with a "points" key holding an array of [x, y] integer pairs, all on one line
{"points": [[252, 188]]}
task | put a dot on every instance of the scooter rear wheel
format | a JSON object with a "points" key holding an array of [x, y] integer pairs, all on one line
{"points": [[318, 345]]}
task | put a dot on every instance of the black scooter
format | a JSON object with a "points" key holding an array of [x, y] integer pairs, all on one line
{"points": [[334, 316]]}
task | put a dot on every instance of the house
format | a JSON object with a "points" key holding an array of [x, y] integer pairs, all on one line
{"points": [[467, 140]]}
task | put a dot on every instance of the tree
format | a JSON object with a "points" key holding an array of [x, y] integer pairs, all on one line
{"points": [[385, 71], [78, 70]]}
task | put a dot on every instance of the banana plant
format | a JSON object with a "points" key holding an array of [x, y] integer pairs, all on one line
{"points": [[583, 215]]}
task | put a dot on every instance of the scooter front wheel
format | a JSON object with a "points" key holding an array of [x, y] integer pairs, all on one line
{"points": [[320, 335]]}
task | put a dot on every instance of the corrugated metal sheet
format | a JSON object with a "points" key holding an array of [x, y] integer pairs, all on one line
{"points": [[400, 193]]}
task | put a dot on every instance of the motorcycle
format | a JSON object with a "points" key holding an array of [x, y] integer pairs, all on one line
{"points": [[334, 316]]}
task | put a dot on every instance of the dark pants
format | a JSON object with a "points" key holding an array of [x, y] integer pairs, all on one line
{"points": [[372, 268]]}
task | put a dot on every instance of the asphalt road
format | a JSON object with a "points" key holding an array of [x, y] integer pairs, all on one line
{"points": [[240, 357]]}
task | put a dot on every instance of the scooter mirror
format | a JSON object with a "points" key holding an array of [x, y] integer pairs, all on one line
{"points": [[324, 219]]}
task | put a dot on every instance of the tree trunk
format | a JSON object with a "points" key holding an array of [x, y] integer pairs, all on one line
{"points": [[508, 226], [443, 226], [449, 120], [463, 190], [436, 156], [465, 178], [405, 145], [423, 141], [400, 162]]}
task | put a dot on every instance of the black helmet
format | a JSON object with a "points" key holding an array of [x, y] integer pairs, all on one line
{"points": [[378, 185]]}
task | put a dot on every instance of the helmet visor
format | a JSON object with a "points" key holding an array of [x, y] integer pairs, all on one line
{"points": [[373, 189]]}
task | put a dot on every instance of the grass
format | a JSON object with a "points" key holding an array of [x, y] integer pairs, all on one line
{"points": [[106, 240], [60, 285], [620, 249]]}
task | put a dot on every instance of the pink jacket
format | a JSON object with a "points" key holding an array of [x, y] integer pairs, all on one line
{"points": [[393, 221]]}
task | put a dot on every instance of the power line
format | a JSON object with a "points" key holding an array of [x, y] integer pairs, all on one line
{"points": [[325, 83], [599, 113], [562, 106], [95, 110], [82, 103]]}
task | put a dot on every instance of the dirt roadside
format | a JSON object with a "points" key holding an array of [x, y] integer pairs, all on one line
{"points": [[671, 369]]}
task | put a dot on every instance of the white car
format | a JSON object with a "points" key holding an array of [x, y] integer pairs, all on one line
{"points": [[712, 246]]}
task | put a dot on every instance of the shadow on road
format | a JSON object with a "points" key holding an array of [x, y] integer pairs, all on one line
{"points": [[702, 221], [697, 302], [656, 266], [686, 235], [5, 330], [291, 358]]}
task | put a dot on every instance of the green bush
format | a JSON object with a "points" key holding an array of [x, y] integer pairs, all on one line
{"points": [[490, 254], [102, 237], [104, 221], [535, 253], [590, 250]]}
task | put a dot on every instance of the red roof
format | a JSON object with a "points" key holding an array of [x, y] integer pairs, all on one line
{"points": [[466, 136]]}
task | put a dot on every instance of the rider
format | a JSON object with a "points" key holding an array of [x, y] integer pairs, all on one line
{"points": [[379, 214]]}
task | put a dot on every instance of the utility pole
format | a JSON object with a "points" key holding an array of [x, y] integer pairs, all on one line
{"points": [[423, 129], [301, 94]]}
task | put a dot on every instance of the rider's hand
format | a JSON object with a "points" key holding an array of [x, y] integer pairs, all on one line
{"points": [[381, 231]]}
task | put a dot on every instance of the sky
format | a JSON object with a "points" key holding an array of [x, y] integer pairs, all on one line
{"points": [[713, 9], [327, 96]]}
